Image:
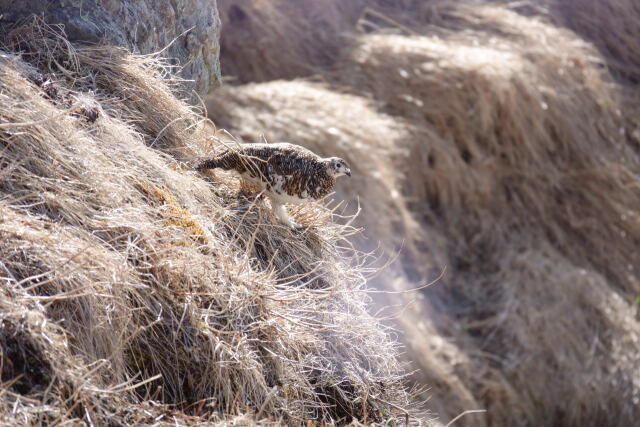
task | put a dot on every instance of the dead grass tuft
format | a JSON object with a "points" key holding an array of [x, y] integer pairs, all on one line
{"points": [[612, 26], [255, 30]]}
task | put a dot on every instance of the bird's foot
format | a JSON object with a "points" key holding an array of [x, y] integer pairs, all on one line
{"points": [[295, 226], [284, 218], [291, 223]]}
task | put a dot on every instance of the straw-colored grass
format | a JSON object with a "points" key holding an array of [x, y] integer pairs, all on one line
{"points": [[531, 128], [254, 30], [137, 292], [612, 26]]}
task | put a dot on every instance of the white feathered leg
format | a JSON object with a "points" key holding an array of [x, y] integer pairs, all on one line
{"points": [[281, 213]]}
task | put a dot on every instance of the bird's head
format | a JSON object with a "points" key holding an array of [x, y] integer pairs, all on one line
{"points": [[337, 167]]}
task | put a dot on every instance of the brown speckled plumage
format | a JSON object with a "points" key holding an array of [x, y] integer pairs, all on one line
{"points": [[287, 173], [302, 168]]}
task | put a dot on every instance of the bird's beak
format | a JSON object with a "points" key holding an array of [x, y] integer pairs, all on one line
{"points": [[348, 172]]}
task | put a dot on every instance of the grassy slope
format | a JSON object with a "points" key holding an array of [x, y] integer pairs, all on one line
{"points": [[134, 291]]}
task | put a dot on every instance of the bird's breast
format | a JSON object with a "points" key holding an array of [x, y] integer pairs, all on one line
{"points": [[286, 189], [284, 198]]}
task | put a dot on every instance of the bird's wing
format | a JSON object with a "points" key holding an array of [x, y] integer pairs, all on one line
{"points": [[282, 158], [283, 147]]}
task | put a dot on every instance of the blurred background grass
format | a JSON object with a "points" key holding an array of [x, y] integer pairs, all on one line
{"points": [[498, 139]]}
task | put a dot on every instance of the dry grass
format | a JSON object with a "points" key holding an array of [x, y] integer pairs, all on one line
{"points": [[530, 126], [136, 292], [522, 171], [612, 26], [255, 30]]}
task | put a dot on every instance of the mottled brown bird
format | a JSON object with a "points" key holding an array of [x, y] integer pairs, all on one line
{"points": [[286, 173]]}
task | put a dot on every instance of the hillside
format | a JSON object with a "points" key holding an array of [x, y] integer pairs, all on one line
{"points": [[495, 149], [136, 291]]}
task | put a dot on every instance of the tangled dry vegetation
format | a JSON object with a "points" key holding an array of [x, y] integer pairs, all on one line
{"points": [[506, 147], [134, 291]]}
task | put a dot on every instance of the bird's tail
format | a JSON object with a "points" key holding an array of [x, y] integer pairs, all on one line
{"points": [[207, 164], [226, 160]]}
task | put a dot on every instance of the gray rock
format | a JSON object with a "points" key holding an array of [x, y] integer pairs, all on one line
{"points": [[144, 26]]}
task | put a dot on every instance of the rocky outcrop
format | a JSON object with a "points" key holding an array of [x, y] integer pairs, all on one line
{"points": [[144, 26]]}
